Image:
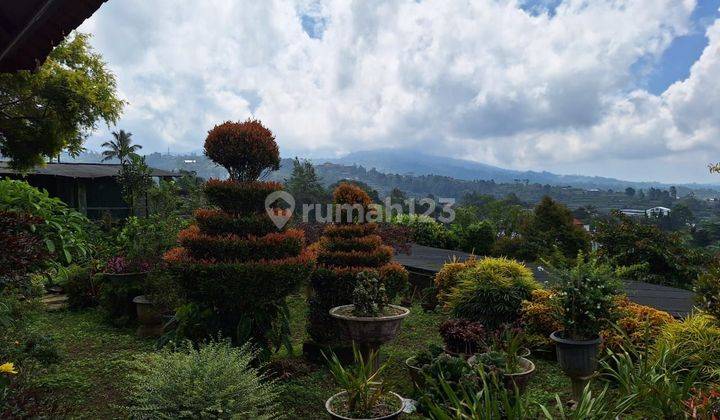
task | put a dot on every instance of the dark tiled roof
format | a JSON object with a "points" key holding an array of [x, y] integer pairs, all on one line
{"points": [[79, 170], [677, 302], [29, 29]]}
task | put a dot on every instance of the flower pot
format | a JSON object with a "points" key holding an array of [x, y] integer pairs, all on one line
{"points": [[577, 358], [116, 295], [371, 331], [394, 415], [149, 317], [416, 375], [520, 379]]}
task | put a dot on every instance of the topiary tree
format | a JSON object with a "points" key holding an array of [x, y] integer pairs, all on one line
{"points": [[245, 149], [345, 250], [234, 267]]}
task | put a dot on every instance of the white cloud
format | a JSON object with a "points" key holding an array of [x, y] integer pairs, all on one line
{"points": [[479, 79]]}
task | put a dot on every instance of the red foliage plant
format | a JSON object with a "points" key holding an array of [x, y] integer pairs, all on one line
{"points": [[246, 149], [20, 247]]}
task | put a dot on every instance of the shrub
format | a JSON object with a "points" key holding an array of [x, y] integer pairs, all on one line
{"points": [[117, 294], [478, 238], [539, 318], [215, 380], [703, 404], [235, 268], [427, 231], [369, 297], [463, 336], [82, 287], [21, 249], [147, 239], [63, 230], [696, 344], [447, 277], [344, 251], [585, 293], [245, 149], [636, 325], [707, 292], [491, 291]]}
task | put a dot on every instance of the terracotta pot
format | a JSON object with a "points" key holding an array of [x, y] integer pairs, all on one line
{"points": [[370, 331], [149, 317], [577, 358], [520, 379], [395, 415]]}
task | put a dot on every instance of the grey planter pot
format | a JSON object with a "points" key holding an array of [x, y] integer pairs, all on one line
{"points": [[578, 359], [395, 415], [370, 331], [416, 375], [149, 317], [519, 380]]}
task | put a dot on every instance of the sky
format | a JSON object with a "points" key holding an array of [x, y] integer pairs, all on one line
{"points": [[625, 89]]}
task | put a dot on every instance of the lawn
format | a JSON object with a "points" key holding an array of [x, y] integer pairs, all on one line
{"points": [[96, 358]]}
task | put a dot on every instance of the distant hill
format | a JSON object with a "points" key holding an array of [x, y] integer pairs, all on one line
{"points": [[406, 162]]}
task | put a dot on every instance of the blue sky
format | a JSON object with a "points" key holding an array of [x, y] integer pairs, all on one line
{"points": [[622, 88]]}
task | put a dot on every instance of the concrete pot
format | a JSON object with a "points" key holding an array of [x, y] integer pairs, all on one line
{"points": [[416, 375], [520, 379], [577, 358], [395, 415], [371, 331], [149, 317]]}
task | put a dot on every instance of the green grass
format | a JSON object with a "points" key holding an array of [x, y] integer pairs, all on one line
{"points": [[90, 380]]}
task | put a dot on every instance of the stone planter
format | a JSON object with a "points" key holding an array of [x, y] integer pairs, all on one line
{"points": [[149, 317], [116, 295], [416, 375], [520, 379], [577, 358], [369, 333], [395, 415]]}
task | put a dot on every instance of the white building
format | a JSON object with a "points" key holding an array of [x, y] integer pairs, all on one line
{"points": [[657, 211]]}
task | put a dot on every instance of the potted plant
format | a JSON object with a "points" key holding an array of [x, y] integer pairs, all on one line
{"points": [[370, 320], [507, 357], [462, 337], [585, 296], [123, 280], [364, 395], [415, 364]]}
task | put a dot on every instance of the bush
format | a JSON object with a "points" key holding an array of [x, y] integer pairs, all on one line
{"points": [[147, 239], [696, 344], [82, 287], [707, 292], [344, 251], [21, 249], [63, 230], [491, 291], [215, 380], [635, 325], [539, 318], [235, 268], [427, 231], [245, 149], [585, 292], [478, 238], [463, 336], [447, 277]]}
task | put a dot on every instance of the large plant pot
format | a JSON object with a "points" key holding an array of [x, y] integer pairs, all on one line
{"points": [[372, 331], [329, 404], [520, 379], [416, 375], [117, 292], [149, 318], [577, 358]]}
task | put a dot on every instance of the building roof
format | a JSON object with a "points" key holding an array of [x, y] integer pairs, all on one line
{"points": [[80, 170], [29, 29]]}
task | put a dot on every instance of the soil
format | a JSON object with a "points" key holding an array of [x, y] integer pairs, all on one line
{"points": [[388, 311], [388, 404]]}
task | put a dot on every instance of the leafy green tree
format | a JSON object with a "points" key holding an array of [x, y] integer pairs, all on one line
{"points": [[630, 191], [305, 185], [135, 180], [478, 238], [551, 228], [121, 148], [54, 108]]}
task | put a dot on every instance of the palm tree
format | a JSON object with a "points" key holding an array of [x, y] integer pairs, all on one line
{"points": [[120, 148]]}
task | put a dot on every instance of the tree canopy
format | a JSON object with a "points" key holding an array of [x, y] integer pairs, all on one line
{"points": [[53, 109]]}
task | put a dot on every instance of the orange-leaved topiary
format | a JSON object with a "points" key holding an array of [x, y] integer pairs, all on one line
{"points": [[234, 266], [246, 149], [344, 250]]}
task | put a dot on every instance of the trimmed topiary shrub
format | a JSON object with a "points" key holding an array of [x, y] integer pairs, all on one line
{"points": [[234, 268], [491, 291], [344, 251]]}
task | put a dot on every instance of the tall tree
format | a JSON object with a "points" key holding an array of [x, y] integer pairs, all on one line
{"points": [[53, 109], [121, 148], [305, 185]]}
